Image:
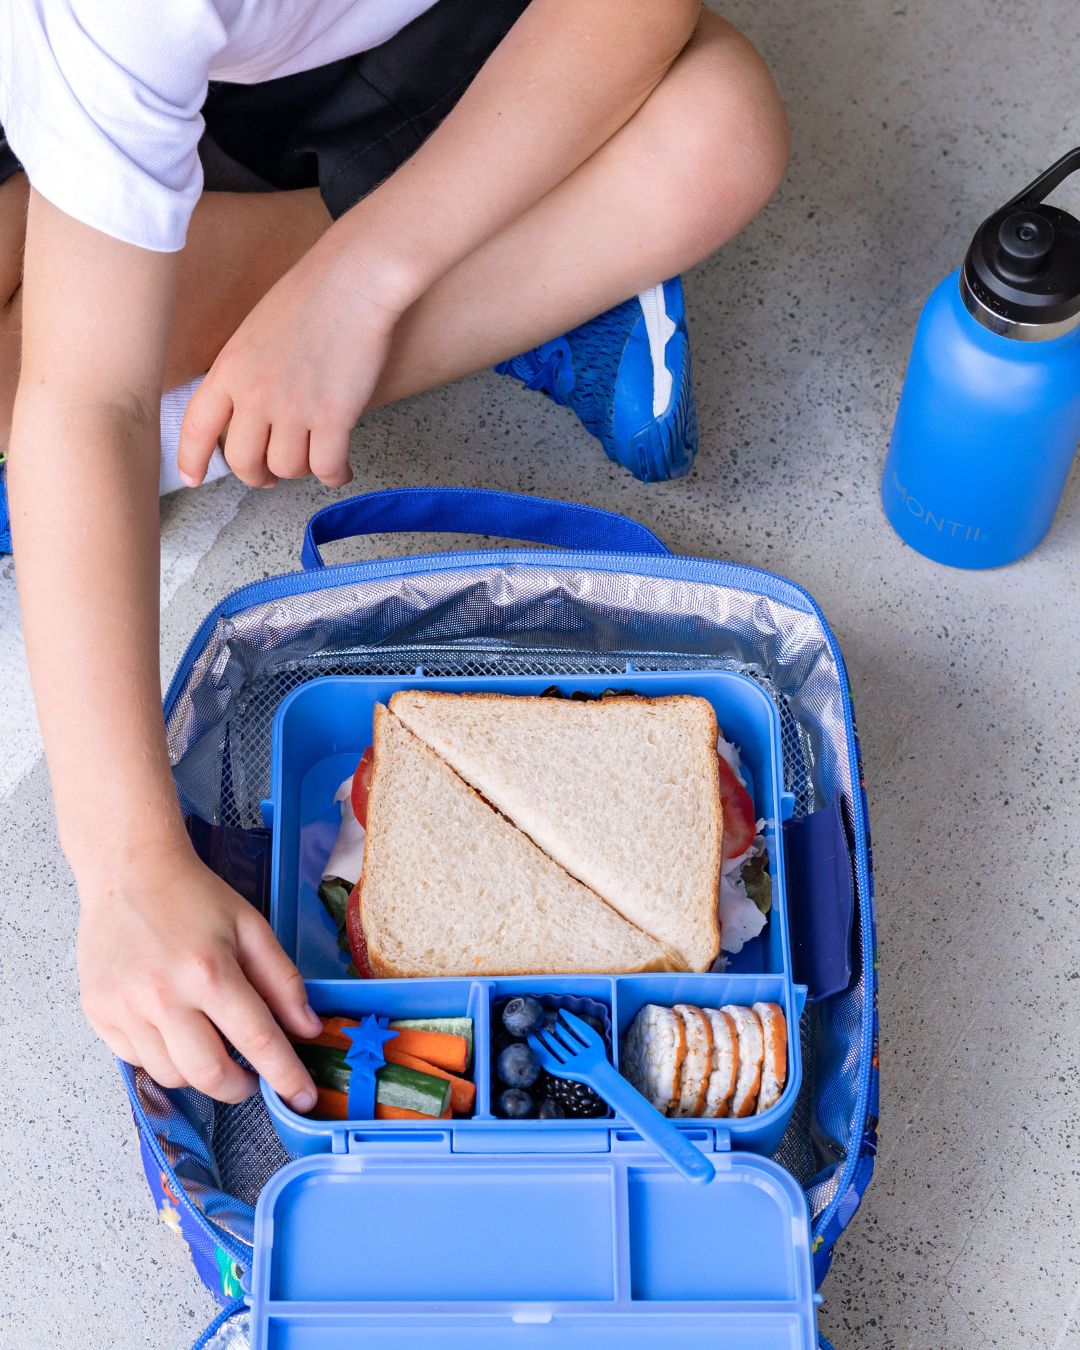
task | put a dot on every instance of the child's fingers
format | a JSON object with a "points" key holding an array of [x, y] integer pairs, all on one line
{"points": [[118, 1043], [245, 1019], [328, 455], [200, 1055], [274, 976], [245, 449], [206, 418], [151, 1055], [287, 453]]}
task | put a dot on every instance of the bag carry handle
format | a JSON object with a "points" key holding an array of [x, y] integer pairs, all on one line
{"points": [[509, 515]]}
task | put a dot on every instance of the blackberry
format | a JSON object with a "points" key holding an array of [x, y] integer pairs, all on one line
{"points": [[576, 1099]]}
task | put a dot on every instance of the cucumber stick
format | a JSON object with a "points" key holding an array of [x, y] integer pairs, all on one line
{"points": [[449, 1026], [327, 1066], [395, 1085]]}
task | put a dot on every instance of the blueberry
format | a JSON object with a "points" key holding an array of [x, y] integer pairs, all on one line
{"points": [[593, 1022], [522, 1016], [551, 1021], [517, 1066], [515, 1104], [550, 1110]]}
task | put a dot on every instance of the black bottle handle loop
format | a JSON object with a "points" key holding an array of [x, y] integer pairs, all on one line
{"points": [[1047, 181]]}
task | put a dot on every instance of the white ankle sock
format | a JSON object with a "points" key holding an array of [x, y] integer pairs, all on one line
{"points": [[173, 406]]}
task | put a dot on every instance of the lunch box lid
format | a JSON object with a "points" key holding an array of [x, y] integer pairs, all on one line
{"points": [[405, 1243]]}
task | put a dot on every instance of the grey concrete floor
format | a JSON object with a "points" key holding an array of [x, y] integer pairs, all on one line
{"points": [[911, 121]]}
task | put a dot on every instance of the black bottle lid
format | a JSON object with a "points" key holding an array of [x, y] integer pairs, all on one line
{"points": [[1023, 266]]}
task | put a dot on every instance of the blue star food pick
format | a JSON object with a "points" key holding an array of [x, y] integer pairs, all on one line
{"points": [[364, 1058]]}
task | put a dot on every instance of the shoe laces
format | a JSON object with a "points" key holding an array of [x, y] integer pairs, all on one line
{"points": [[553, 371]]}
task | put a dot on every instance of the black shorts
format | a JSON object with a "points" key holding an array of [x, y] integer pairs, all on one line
{"points": [[345, 127]]}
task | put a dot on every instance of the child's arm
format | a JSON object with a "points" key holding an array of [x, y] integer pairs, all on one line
{"points": [[301, 368], [167, 952]]}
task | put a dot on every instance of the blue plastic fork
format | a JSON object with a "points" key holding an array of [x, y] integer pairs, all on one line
{"points": [[572, 1049]]}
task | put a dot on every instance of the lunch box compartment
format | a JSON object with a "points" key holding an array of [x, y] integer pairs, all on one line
{"points": [[622, 996], [760, 1133], [393, 999], [578, 1250], [322, 728], [590, 996]]}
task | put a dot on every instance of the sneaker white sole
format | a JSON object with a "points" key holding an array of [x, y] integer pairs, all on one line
{"points": [[660, 329]]}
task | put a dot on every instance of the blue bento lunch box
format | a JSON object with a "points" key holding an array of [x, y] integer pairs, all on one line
{"points": [[490, 1232]]}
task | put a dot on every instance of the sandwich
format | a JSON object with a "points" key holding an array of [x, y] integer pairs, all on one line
{"points": [[621, 792], [450, 886], [624, 804]]}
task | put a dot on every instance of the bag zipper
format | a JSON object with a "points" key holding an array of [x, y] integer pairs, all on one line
{"points": [[240, 1252]]}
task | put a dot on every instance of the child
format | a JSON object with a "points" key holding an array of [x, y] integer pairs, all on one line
{"points": [[436, 186]]}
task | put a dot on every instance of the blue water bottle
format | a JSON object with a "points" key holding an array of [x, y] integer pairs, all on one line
{"points": [[989, 415]]}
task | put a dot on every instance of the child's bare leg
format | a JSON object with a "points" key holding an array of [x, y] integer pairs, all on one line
{"points": [[695, 163]]}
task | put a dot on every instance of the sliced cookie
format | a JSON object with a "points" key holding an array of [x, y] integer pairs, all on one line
{"points": [[653, 1051], [725, 1063], [774, 1064], [697, 1064], [751, 1054]]}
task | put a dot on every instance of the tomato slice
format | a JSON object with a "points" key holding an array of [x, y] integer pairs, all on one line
{"points": [[361, 785], [740, 824], [354, 931]]}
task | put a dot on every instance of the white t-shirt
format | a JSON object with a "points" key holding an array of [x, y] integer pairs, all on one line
{"points": [[101, 99]]}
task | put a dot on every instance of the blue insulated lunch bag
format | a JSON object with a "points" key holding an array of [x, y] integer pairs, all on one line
{"points": [[604, 598]]}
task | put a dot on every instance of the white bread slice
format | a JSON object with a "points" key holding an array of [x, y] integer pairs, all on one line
{"points": [[622, 792], [652, 1054], [697, 1066], [451, 888], [751, 1053], [725, 1063], [774, 1065]]}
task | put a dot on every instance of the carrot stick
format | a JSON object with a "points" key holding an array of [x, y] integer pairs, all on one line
{"points": [[434, 1047], [403, 1113], [331, 1104], [462, 1092], [332, 1036]]}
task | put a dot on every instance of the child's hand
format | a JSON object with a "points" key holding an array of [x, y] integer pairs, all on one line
{"points": [[294, 378], [172, 956]]}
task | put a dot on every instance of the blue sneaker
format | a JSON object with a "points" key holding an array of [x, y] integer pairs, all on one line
{"points": [[5, 519], [627, 376]]}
